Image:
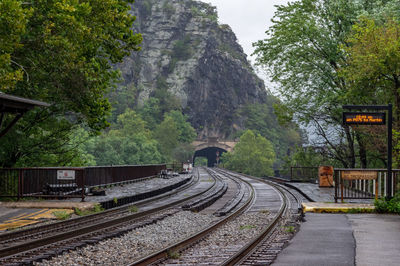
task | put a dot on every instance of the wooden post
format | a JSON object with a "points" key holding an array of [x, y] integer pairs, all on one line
{"points": [[376, 189]]}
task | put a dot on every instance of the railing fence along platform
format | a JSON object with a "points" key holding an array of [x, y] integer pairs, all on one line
{"points": [[364, 183], [298, 174], [65, 182]]}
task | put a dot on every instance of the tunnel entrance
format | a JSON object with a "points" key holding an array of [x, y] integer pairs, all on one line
{"points": [[211, 153]]}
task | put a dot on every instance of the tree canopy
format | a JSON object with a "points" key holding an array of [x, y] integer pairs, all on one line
{"points": [[253, 155], [304, 54], [61, 52]]}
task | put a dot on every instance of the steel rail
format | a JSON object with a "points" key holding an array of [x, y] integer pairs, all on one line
{"points": [[34, 244], [247, 250], [163, 253], [91, 217]]}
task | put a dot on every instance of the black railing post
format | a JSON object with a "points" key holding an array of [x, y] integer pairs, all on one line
{"points": [[19, 187], [389, 155], [83, 171], [335, 174], [291, 173]]}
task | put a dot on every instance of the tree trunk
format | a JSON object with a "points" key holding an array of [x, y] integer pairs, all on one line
{"points": [[350, 143], [362, 150]]}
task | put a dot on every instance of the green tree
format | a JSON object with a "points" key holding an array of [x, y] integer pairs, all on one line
{"points": [[167, 135], [187, 133], [183, 153], [65, 51], [121, 98], [260, 118], [373, 66], [200, 161], [174, 135], [253, 155], [302, 55], [127, 142], [13, 20], [150, 111]]}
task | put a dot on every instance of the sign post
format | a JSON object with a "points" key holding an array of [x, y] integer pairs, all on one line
{"points": [[361, 118]]}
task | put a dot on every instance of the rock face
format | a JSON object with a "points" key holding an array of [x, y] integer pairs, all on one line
{"points": [[197, 60]]}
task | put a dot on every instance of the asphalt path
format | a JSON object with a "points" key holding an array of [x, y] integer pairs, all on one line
{"points": [[344, 239], [324, 239]]}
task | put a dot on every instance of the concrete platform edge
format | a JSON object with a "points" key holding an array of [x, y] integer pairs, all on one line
{"points": [[49, 205]]}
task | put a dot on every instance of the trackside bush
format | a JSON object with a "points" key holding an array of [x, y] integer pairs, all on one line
{"points": [[388, 206]]}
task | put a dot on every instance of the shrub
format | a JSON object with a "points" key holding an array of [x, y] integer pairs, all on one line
{"points": [[388, 206], [61, 215]]}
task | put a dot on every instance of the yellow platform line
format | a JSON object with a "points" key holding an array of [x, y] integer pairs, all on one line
{"points": [[49, 214], [31, 218], [25, 216], [336, 207], [17, 224]]}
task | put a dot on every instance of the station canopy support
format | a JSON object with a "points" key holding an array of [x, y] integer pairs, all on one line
{"points": [[17, 106]]}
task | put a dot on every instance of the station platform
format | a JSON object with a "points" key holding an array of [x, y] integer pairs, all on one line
{"points": [[16, 214], [12, 218], [322, 200], [344, 239], [341, 233], [314, 192]]}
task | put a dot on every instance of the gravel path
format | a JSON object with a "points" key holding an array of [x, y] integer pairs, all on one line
{"points": [[228, 239], [137, 243]]}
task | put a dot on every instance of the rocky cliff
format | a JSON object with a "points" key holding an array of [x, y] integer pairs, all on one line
{"points": [[197, 60]]}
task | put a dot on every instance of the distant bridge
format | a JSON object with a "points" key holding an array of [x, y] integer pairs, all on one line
{"points": [[212, 149]]}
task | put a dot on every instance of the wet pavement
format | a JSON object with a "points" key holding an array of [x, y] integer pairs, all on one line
{"points": [[324, 239], [377, 238], [344, 239]]}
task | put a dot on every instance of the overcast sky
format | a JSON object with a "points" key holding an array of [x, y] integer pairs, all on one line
{"points": [[249, 19]]}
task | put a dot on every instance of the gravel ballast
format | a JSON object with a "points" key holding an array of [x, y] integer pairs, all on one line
{"points": [[228, 239], [137, 243]]}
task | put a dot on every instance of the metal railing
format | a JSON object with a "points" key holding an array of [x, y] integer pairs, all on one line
{"points": [[45, 182], [303, 174], [365, 189]]}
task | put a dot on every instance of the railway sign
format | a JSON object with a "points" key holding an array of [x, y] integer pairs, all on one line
{"points": [[359, 175], [364, 118], [379, 118], [65, 175]]}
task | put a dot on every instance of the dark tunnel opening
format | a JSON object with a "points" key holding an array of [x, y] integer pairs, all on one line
{"points": [[211, 153]]}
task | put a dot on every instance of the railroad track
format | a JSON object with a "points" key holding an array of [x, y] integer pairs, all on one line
{"points": [[159, 256], [43, 242], [263, 249], [205, 249]]}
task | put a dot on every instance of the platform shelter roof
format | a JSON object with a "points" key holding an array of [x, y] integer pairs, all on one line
{"points": [[14, 104]]}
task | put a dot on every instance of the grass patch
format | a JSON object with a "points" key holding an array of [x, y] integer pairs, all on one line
{"points": [[289, 229], [243, 227], [360, 210], [133, 209], [173, 254], [264, 211], [97, 208], [61, 215]]}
